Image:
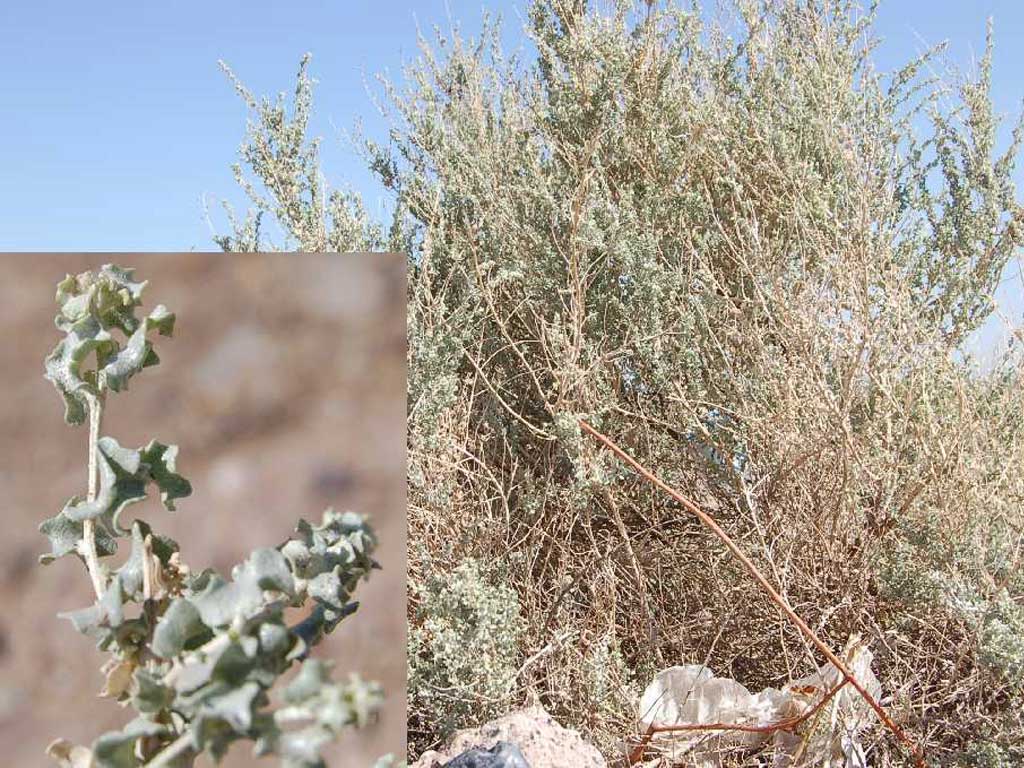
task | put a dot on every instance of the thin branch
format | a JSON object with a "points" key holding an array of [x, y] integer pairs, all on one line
{"points": [[92, 561]]}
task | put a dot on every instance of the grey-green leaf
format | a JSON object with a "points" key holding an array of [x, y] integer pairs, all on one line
{"points": [[221, 601], [150, 695], [179, 625], [162, 463], [311, 678], [124, 473], [65, 534], [63, 366], [92, 304], [121, 483], [235, 707], [108, 611], [109, 294], [138, 352]]}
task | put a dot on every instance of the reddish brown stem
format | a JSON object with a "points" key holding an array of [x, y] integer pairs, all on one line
{"points": [[775, 596]]}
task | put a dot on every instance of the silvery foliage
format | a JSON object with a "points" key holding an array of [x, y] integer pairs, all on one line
{"points": [[194, 654], [462, 650], [286, 186], [651, 218]]}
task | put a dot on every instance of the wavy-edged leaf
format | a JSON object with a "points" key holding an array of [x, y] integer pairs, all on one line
{"points": [[162, 463], [224, 663], [121, 483], [124, 474], [225, 717], [221, 601], [65, 534], [110, 294], [180, 625], [330, 559], [234, 707], [149, 694], [138, 352], [63, 366], [91, 305], [107, 612]]}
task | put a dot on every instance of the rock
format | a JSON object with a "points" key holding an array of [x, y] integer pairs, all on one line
{"points": [[501, 755], [540, 740]]}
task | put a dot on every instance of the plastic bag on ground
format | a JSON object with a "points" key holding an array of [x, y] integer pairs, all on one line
{"points": [[691, 694]]}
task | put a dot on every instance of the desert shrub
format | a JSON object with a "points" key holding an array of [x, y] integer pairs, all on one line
{"points": [[986, 754], [279, 170], [756, 262], [463, 650]]}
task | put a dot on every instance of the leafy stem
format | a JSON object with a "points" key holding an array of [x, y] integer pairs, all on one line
{"points": [[195, 654]]}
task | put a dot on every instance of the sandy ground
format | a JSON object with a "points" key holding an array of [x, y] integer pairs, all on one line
{"points": [[284, 387]]}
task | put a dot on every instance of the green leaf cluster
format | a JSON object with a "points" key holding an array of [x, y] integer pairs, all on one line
{"points": [[97, 313]]}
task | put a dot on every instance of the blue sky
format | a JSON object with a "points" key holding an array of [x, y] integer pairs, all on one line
{"points": [[119, 123]]}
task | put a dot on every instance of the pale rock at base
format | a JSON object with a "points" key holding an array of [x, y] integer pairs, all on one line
{"points": [[543, 742]]}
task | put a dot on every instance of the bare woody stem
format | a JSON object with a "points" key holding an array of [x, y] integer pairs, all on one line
{"points": [[775, 596], [89, 526]]}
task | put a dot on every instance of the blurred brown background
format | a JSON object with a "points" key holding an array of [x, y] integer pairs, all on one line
{"points": [[284, 387]]}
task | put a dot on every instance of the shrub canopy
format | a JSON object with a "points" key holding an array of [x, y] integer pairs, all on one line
{"points": [[728, 241]]}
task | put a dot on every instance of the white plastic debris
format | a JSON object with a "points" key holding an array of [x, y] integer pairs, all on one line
{"points": [[692, 695]]}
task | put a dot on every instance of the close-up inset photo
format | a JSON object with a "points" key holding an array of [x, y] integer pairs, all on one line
{"points": [[204, 549]]}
